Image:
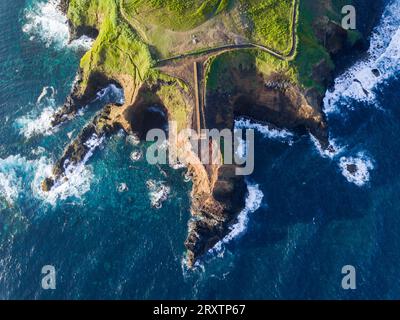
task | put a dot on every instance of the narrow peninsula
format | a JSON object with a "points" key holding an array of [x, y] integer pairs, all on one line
{"points": [[204, 63]]}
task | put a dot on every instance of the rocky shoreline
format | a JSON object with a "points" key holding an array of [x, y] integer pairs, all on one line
{"points": [[218, 194]]}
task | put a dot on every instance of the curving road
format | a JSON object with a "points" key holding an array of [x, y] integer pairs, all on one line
{"points": [[233, 47]]}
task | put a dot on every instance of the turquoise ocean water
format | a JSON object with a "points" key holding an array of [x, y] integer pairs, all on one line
{"points": [[106, 238]]}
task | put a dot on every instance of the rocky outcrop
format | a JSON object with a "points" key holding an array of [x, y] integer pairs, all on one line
{"points": [[77, 100], [214, 214], [77, 151], [63, 6], [274, 100], [76, 32], [218, 194]]}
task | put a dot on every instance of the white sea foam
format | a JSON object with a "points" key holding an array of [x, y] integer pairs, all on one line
{"points": [[38, 121], [267, 131], [47, 91], [357, 169], [158, 192], [9, 186], [333, 151], [35, 123], [92, 143], [32, 125], [241, 150], [133, 140], [83, 43], [253, 203], [45, 21], [76, 183], [38, 151], [178, 165], [76, 179], [122, 187], [111, 94], [359, 81], [19, 175]]}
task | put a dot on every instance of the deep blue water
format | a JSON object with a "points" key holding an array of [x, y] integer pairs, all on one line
{"points": [[110, 244]]}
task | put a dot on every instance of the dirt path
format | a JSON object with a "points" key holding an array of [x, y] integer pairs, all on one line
{"points": [[234, 47]]}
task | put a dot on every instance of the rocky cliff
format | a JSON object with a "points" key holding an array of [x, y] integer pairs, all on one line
{"points": [[284, 93]]}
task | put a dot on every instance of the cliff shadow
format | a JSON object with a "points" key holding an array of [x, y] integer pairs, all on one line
{"points": [[147, 113]]}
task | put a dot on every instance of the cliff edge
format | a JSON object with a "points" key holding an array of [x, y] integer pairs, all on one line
{"points": [[269, 61]]}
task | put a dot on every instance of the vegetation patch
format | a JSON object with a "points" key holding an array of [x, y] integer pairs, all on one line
{"points": [[117, 49], [176, 15]]}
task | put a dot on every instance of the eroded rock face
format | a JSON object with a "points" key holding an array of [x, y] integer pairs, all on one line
{"points": [[331, 35], [218, 194], [78, 99], [63, 6], [214, 213], [76, 152], [279, 103]]}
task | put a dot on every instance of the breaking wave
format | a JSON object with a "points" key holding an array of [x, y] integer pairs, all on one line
{"points": [[267, 131], [356, 169], [382, 63], [136, 155], [111, 94], [9, 186], [45, 21], [253, 203], [333, 151], [20, 176], [39, 122], [30, 125], [158, 192]]}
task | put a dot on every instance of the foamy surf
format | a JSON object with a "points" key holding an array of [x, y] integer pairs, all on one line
{"points": [[39, 122], [382, 63], [20, 176], [158, 192], [111, 94], [76, 179], [133, 140], [84, 43], [253, 203], [332, 152], [47, 91], [44, 21], [356, 169], [267, 131], [92, 144], [9, 186], [32, 125], [136, 155]]}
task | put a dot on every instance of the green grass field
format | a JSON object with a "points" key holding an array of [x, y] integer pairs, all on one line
{"points": [[271, 22], [176, 15], [117, 49], [120, 47]]}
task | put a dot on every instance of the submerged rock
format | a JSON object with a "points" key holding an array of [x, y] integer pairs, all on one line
{"points": [[376, 72], [352, 169], [47, 184]]}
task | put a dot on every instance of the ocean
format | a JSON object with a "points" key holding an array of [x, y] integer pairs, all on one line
{"points": [[116, 229]]}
